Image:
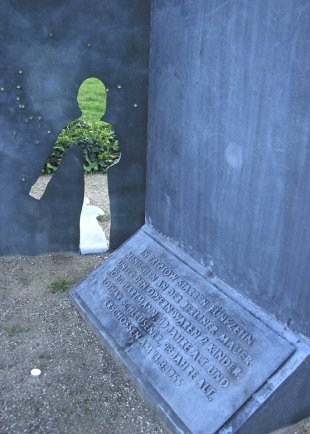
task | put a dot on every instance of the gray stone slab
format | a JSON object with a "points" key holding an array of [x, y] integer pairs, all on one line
{"points": [[197, 353], [228, 144], [45, 57]]}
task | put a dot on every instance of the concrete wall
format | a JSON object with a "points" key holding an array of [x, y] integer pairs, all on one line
{"points": [[229, 152], [47, 49]]}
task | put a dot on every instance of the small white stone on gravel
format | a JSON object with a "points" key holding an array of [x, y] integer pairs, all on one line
{"points": [[35, 372]]}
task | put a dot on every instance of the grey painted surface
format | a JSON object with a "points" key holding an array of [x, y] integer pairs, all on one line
{"points": [[228, 156], [47, 49]]}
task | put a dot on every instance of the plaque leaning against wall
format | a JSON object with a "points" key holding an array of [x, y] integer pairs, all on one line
{"points": [[197, 353]]}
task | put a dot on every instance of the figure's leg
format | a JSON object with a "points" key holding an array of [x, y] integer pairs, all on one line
{"points": [[62, 201]]}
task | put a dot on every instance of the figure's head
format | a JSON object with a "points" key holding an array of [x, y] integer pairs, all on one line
{"points": [[92, 98]]}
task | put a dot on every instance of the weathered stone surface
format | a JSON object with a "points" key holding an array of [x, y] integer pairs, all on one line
{"points": [[195, 351], [228, 144]]}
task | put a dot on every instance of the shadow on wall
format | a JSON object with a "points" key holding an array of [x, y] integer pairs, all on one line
{"points": [[97, 141]]}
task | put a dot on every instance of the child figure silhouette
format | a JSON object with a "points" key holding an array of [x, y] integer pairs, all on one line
{"points": [[65, 191]]}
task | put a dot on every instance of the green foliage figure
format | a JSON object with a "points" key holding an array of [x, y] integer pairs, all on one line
{"points": [[95, 137]]}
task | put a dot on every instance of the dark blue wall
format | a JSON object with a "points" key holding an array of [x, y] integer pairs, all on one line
{"points": [[229, 155], [47, 49]]}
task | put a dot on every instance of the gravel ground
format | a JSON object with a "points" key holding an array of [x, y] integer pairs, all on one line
{"points": [[82, 389]]}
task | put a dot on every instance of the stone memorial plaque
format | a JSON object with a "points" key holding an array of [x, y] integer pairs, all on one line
{"points": [[196, 352]]}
